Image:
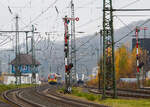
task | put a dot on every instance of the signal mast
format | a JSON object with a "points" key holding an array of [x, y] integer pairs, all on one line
{"points": [[68, 65]]}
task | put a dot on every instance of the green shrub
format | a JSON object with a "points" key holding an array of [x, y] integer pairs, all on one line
{"points": [[79, 94], [75, 91], [147, 83], [91, 97], [88, 96]]}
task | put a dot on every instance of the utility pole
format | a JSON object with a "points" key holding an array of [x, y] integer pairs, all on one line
{"points": [[50, 67], [17, 29], [57, 69], [73, 45], [17, 73], [109, 79], [27, 42], [33, 56], [50, 52], [101, 62], [17, 49], [109, 75], [9, 65], [98, 67]]}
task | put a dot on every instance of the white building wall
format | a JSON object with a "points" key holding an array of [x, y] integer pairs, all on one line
{"points": [[9, 80], [24, 79]]}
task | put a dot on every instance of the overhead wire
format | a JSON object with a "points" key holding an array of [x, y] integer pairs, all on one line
{"points": [[123, 23], [89, 54], [145, 22], [83, 43], [133, 15], [120, 21], [126, 25], [49, 34], [88, 22], [5, 42], [129, 4], [92, 37], [38, 16], [47, 47]]}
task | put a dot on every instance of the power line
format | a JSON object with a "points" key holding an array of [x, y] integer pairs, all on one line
{"points": [[132, 31], [5, 40], [38, 16], [88, 22], [127, 10], [133, 15], [5, 43], [92, 37], [86, 54], [129, 4], [123, 23]]}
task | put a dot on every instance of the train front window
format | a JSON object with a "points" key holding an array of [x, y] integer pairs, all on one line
{"points": [[52, 76]]}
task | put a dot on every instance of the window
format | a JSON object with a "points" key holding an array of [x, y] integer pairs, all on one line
{"points": [[24, 67]]}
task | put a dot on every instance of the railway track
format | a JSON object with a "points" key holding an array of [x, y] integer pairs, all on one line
{"points": [[70, 101], [129, 93], [45, 96], [28, 97], [14, 98]]}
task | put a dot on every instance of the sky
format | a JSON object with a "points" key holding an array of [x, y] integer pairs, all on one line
{"points": [[43, 14]]}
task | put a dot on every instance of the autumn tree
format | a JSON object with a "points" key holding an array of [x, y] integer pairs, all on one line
{"points": [[125, 62]]}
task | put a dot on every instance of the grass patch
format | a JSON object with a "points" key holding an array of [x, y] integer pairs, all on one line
{"points": [[12, 86], [61, 90], [89, 96], [111, 102], [126, 103]]}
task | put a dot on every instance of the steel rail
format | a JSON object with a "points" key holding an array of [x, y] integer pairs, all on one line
{"points": [[52, 94], [18, 96]]}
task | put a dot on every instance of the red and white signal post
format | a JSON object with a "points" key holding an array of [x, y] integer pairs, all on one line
{"points": [[68, 65], [137, 51], [138, 62]]}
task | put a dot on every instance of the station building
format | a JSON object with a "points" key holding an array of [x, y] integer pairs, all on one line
{"points": [[25, 65]]}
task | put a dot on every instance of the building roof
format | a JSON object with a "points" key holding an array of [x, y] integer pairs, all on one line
{"points": [[24, 59]]}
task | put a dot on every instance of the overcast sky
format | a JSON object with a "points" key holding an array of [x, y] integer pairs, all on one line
{"points": [[48, 20]]}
